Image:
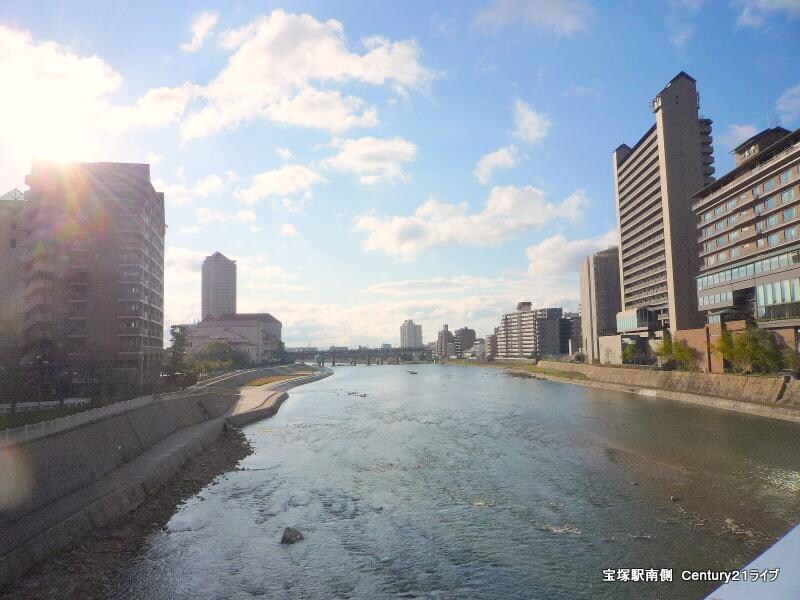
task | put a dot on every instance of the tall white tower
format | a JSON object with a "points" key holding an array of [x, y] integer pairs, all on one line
{"points": [[219, 286]]}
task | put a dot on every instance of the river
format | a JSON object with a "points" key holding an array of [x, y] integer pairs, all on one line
{"points": [[464, 482]]}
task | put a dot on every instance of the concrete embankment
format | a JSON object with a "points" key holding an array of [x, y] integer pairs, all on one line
{"points": [[762, 396], [56, 488]]}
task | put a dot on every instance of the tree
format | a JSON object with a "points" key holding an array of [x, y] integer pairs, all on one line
{"points": [[678, 352], [216, 356], [753, 350], [629, 354], [176, 353]]}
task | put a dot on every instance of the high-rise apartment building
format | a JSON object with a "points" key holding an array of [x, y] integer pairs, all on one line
{"points": [[654, 182], [12, 227], [464, 339], [94, 271], [529, 332], [600, 299], [444, 342], [219, 286], [411, 335], [748, 223]]}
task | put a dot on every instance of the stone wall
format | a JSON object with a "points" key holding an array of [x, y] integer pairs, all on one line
{"points": [[765, 390]]}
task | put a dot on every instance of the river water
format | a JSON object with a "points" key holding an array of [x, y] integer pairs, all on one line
{"points": [[464, 482]]}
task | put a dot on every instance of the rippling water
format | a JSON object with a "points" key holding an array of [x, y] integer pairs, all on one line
{"points": [[464, 482]]}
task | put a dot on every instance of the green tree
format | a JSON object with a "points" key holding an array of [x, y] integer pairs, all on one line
{"points": [[176, 353], [678, 352], [629, 354], [216, 356], [753, 350]]}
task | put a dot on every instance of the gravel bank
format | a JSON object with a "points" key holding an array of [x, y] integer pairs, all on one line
{"points": [[88, 570]]}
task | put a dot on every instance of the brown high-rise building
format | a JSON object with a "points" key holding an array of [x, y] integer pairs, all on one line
{"points": [[12, 226], [654, 182], [748, 223], [94, 273]]}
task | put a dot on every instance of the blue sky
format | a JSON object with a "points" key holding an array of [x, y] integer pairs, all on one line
{"points": [[367, 162]]}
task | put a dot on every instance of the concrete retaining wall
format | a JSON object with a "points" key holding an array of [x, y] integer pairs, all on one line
{"points": [[765, 390], [66, 461]]}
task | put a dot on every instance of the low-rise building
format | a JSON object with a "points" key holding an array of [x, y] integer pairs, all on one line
{"points": [[257, 335]]}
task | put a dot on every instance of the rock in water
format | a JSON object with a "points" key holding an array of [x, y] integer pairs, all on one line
{"points": [[291, 536]]}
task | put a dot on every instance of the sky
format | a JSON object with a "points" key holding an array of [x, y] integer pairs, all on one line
{"points": [[370, 162]]}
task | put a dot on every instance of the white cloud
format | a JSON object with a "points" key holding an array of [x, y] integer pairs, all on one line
{"points": [[284, 153], [208, 185], [560, 17], [189, 230], [280, 62], [555, 256], [736, 134], [753, 13], [60, 106], [788, 105], [374, 160], [437, 285], [206, 215], [680, 17], [288, 230], [153, 158], [181, 192], [531, 126], [287, 183], [508, 211], [502, 158], [202, 25]]}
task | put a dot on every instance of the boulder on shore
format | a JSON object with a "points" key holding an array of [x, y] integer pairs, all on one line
{"points": [[291, 536]]}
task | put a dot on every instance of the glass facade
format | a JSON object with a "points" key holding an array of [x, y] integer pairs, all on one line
{"points": [[715, 298], [749, 270]]}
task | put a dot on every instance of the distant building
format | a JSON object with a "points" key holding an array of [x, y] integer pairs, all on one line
{"points": [[445, 347], [653, 182], [464, 339], [257, 335], [491, 344], [338, 349], [478, 349], [94, 295], [570, 333], [218, 286], [411, 335], [12, 267], [386, 346], [529, 332], [600, 299]]}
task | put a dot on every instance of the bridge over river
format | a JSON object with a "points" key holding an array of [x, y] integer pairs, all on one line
{"points": [[365, 356]]}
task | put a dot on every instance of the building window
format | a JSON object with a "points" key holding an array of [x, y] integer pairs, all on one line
{"points": [[772, 240], [789, 214], [772, 220], [786, 176], [791, 233], [720, 225], [769, 185], [732, 220], [787, 196], [735, 252], [731, 204], [733, 235], [756, 192]]}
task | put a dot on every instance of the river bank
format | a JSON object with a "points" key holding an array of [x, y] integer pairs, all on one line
{"points": [[89, 570], [124, 460], [786, 409]]}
